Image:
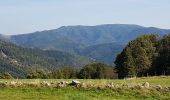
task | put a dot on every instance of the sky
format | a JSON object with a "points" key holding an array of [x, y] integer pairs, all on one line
{"points": [[26, 16]]}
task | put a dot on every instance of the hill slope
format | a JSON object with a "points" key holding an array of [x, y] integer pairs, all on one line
{"points": [[102, 52], [18, 61]]}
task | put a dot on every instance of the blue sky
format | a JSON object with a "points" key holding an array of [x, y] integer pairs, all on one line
{"points": [[25, 16]]}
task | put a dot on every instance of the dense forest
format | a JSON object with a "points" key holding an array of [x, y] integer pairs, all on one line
{"points": [[146, 55]]}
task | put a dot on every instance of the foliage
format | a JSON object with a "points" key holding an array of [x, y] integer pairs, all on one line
{"points": [[39, 73], [97, 71], [65, 73], [62, 73], [141, 56], [162, 60], [6, 75], [90, 71]]}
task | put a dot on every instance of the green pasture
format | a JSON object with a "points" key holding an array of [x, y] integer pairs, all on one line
{"points": [[73, 93]]}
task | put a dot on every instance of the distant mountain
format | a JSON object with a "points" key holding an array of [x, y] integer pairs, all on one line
{"points": [[72, 39], [19, 61], [105, 53], [85, 35]]}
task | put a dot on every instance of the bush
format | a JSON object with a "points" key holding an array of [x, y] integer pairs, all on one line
{"points": [[6, 75], [97, 71]]}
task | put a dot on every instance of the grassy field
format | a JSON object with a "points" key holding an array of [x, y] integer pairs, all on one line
{"points": [[161, 80], [73, 93]]}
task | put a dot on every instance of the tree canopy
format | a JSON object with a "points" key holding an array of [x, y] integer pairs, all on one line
{"points": [[97, 71], [138, 56]]}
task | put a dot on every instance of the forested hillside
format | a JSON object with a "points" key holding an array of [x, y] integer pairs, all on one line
{"points": [[18, 60]]}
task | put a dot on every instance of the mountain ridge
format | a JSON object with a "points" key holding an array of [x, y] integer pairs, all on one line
{"points": [[134, 25], [72, 39]]}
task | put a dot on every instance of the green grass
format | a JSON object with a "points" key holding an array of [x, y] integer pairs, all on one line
{"points": [[157, 80], [73, 93]]}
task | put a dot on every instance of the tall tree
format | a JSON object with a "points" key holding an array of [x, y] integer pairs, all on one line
{"points": [[136, 58], [162, 61]]}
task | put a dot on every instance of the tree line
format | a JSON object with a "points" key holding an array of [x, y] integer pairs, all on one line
{"points": [[146, 55], [90, 71]]}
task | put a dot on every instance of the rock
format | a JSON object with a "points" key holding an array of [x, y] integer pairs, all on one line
{"points": [[141, 87], [117, 86], [159, 87], [146, 85], [2, 84], [75, 83], [19, 84], [166, 89], [129, 86], [83, 85], [13, 82], [32, 84], [101, 87], [110, 85], [54, 84], [169, 88], [44, 83], [62, 84], [3, 54], [47, 84]]}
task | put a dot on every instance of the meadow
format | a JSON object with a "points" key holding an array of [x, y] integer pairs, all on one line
{"points": [[74, 93]]}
